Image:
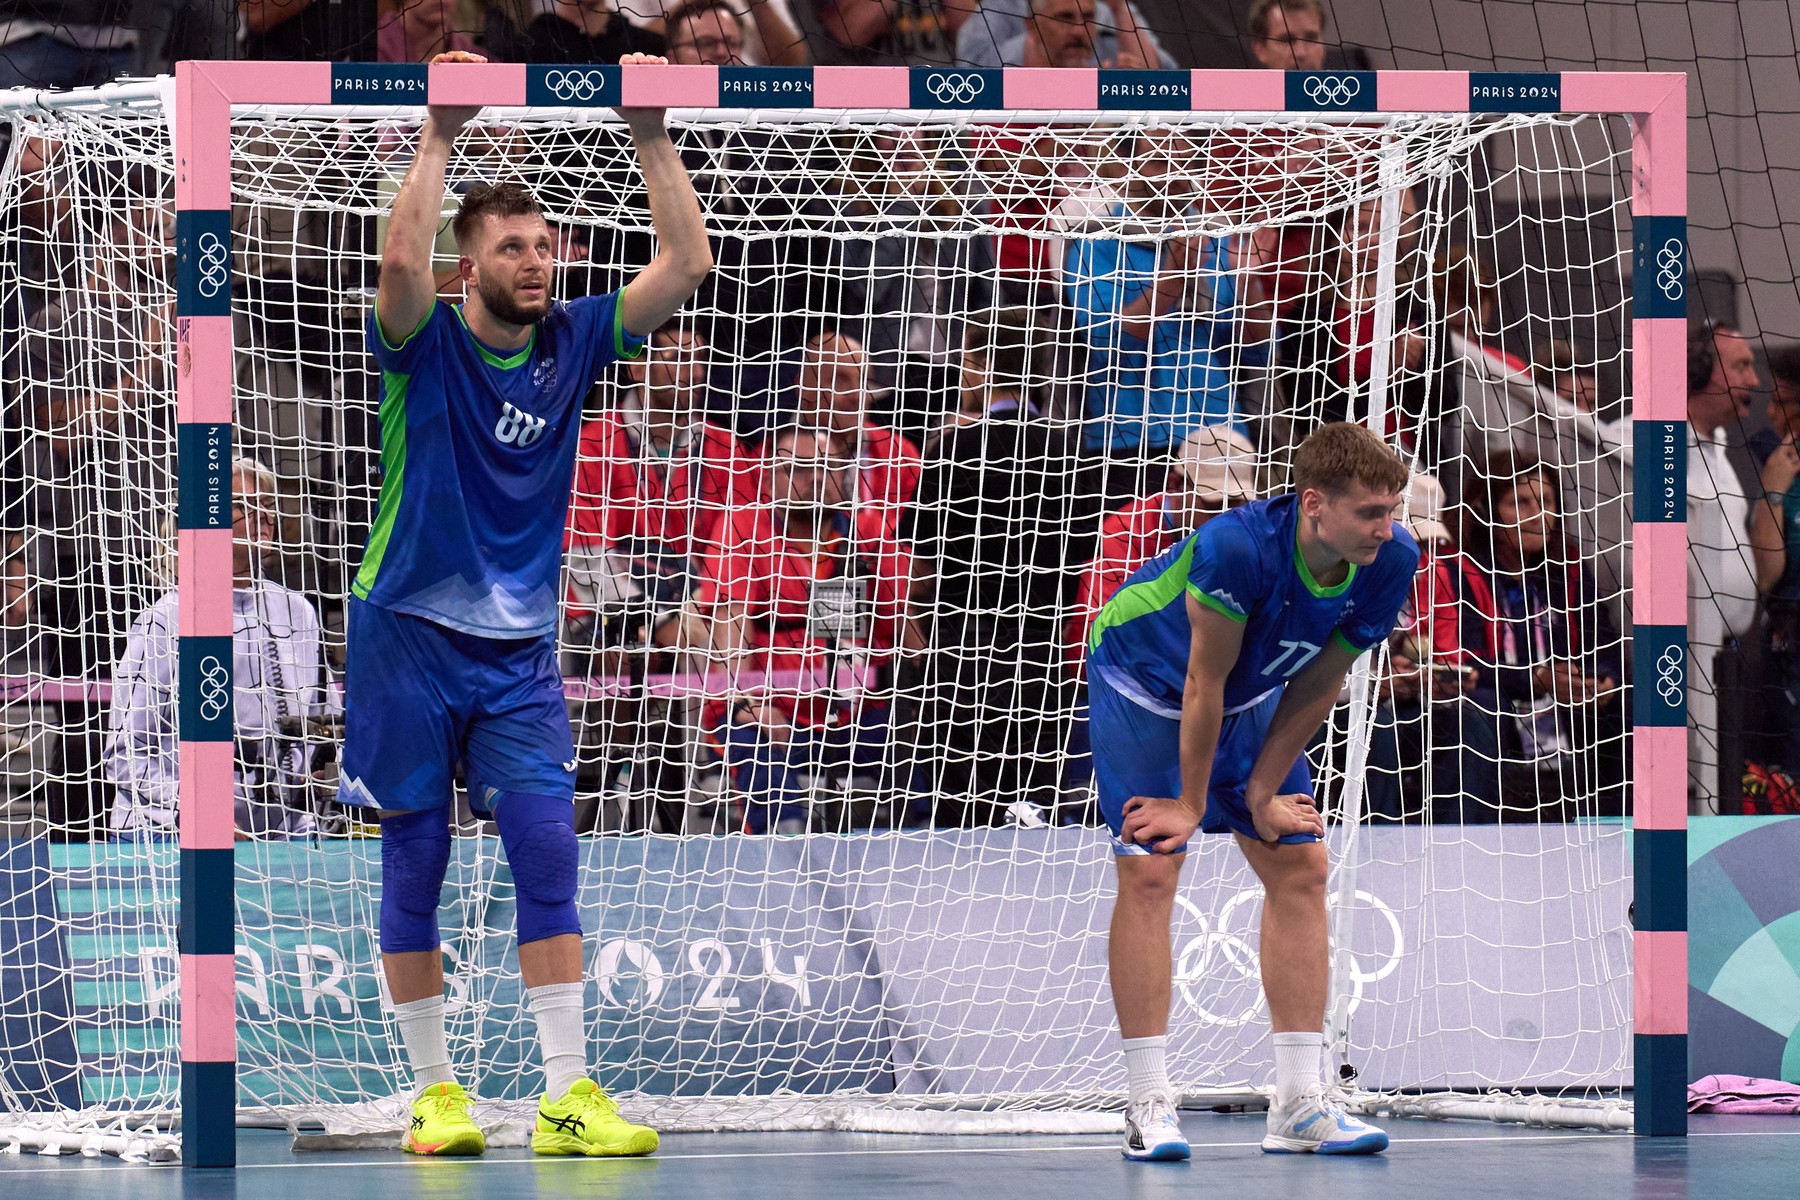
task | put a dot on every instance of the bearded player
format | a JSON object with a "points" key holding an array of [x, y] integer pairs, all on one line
{"points": [[1210, 670], [452, 620]]}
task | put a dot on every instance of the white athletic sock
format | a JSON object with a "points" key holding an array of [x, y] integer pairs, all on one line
{"points": [[1298, 1057], [562, 1033], [422, 1033], [1146, 1074]]}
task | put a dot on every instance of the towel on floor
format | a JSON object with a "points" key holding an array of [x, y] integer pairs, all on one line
{"points": [[1743, 1094]]}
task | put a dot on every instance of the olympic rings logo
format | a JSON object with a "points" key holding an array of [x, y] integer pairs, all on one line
{"points": [[1669, 676], [1331, 91], [575, 85], [954, 87], [215, 687], [1669, 267], [214, 265], [1217, 972]]}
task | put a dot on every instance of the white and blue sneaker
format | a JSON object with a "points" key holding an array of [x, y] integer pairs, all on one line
{"points": [[1314, 1125], [1153, 1132]]}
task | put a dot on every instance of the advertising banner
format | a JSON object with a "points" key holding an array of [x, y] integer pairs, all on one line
{"points": [[948, 963]]}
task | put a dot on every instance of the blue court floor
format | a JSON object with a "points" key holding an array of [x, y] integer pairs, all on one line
{"points": [[1727, 1158]]}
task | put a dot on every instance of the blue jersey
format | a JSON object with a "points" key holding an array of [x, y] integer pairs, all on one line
{"points": [[1245, 564], [478, 454]]}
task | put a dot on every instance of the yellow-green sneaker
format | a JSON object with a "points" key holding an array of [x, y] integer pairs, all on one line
{"points": [[586, 1121], [441, 1124]]}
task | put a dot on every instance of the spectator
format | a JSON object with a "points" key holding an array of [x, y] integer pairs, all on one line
{"points": [[28, 727], [43, 222], [1426, 712], [1556, 368], [1466, 294], [803, 584], [906, 295], [1214, 471], [21, 641], [654, 484], [276, 689], [1544, 652], [415, 30], [1784, 405], [1288, 35], [1000, 515], [834, 399], [713, 32], [1059, 33], [744, 176], [1775, 539], [310, 30], [585, 31], [1328, 338], [185, 29], [1167, 320], [1042, 189], [705, 32], [1721, 576], [1043, 185], [919, 33], [65, 43], [93, 357]]}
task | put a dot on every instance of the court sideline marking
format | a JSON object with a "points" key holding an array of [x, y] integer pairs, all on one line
{"points": [[414, 1162], [404, 1161]]}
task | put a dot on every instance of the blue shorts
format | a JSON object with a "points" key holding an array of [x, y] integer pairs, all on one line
{"points": [[1138, 753], [421, 698]]}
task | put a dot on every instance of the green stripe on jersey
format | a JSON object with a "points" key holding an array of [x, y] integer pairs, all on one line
{"points": [[1218, 606], [515, 359], [620, 349], [1136, 600], [393, 478], [382, 333], [1313, 585]]}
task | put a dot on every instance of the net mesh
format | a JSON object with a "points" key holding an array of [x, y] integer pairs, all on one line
{"points": [[912, 919]]}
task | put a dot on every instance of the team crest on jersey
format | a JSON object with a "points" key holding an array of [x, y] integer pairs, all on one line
{"points": [[517, 427], [544, 374]]}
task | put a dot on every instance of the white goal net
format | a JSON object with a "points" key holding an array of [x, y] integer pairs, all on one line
{"points": [[846, 869]]}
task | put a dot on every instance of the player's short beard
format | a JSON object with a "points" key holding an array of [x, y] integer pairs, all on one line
{"points": [[499, 302]]}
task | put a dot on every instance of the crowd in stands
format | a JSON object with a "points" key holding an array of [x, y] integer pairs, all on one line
{"points": [[900, 568]]}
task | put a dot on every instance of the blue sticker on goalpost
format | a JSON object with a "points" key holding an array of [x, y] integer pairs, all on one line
{"points": [[1127, 90], [1659, 267], [203, 262], [582, 87], [942, 87]]}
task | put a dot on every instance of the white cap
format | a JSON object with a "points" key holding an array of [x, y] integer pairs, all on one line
{"points": [[1219, 463], [1425, 509]]}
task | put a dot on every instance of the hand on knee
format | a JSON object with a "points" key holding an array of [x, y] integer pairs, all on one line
{"points": [[543, 852]]}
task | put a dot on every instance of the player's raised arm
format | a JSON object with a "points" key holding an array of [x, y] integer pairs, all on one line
{"points": [[408, 289], [683, 259]]}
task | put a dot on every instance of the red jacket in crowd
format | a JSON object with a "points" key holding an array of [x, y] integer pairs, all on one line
{"points": [[625, 490], [759, 568], [1129, 538]]}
